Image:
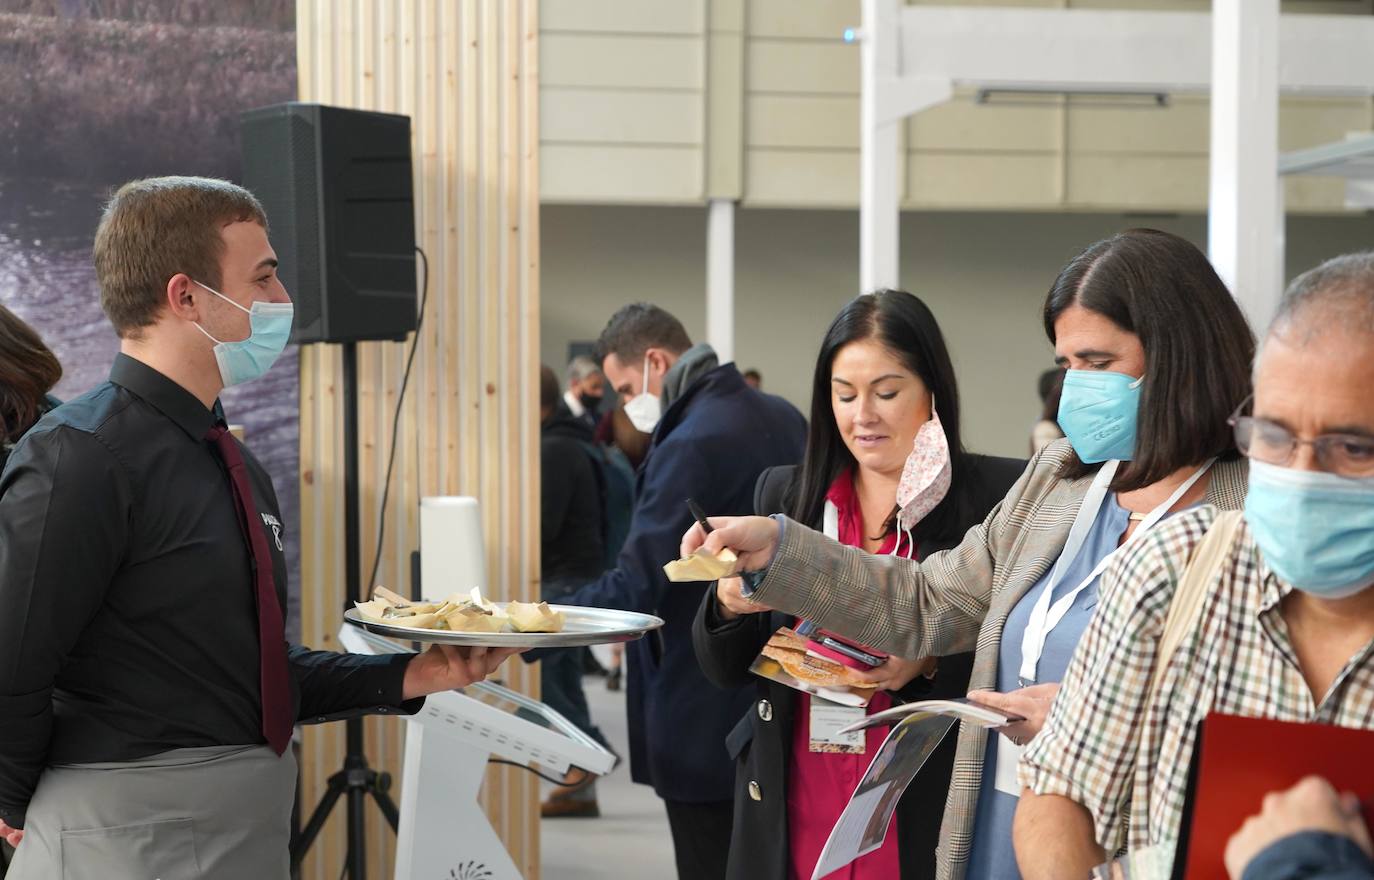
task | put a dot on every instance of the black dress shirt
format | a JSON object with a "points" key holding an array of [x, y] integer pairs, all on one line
{"points": [[127, 617]]}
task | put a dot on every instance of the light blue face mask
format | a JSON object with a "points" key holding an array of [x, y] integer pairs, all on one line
{"points": [[247, 359], [1098, 413], [1316, 530]]}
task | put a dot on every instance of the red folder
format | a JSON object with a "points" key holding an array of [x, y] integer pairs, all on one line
{"points": [[1243, 759]]}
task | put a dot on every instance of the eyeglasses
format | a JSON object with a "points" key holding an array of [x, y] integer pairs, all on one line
{"points": [[1346, 455]]}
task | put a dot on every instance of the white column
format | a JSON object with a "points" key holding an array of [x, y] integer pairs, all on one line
{"points": [[1243, 206], [879, 216], [720, 278]]}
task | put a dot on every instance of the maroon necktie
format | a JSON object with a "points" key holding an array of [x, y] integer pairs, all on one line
{"points": [[276, 693]]}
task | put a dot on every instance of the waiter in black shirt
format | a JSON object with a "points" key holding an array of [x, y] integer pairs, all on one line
{"points": [[147, 693]]}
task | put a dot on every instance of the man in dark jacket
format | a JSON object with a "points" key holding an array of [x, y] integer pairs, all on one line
{"points": [[572, 543], [712, 437]]}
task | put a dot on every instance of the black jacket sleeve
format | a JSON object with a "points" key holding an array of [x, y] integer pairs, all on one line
{"points": [[336, 686], [727, 648], [1311, 855], [60, 545]]}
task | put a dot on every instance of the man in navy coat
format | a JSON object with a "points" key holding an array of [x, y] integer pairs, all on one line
{"points": [[712, 437]]}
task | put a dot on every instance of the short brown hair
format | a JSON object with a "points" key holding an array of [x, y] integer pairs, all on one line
{"points": [[154, 228], [28, 371], [638, 327]]}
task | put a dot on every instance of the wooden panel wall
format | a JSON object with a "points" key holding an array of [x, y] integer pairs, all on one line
{"points": [[623, 85], [796, 96], [466, 72]]}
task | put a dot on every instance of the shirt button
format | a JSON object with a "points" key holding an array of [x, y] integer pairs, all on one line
{"points": [[755, 792], [765, 710]]}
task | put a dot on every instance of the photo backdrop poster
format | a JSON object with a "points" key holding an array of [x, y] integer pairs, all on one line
{"points": [[99, 92]]}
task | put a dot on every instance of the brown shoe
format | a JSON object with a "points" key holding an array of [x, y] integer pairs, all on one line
{"points": [[569, 808]]}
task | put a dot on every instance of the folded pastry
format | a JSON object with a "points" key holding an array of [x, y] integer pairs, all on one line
{"points": [[701, 566], [532, 617]]}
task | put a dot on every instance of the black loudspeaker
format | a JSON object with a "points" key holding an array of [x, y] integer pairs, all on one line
{"points": [[337, 188]]}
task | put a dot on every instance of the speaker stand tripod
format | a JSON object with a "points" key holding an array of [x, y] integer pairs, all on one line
{"points": [[356, 780]]}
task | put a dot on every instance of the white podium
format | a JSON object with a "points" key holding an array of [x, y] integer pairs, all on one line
{"points": [[443, 831]]}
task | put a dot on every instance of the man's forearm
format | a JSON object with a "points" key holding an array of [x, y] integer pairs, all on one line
{"points": [[1054, 838]]}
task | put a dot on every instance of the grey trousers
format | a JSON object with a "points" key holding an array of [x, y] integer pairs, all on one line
{"points": [[220, 813]]}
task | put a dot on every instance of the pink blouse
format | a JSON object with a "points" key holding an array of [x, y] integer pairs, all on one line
{"points": [[819, 784]]}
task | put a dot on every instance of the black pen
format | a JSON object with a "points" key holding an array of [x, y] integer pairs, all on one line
{"points": [[700, 516]]}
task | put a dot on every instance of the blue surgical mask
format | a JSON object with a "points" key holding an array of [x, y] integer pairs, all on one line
{"points": [[249, 358], [1316, 530], [1098, 412]]}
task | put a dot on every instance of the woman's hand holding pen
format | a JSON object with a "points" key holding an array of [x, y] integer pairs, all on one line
{"points": [[754, 539]]}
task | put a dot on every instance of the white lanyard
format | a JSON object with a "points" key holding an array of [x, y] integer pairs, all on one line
{"points": [[830, 527], [1044, 616]]}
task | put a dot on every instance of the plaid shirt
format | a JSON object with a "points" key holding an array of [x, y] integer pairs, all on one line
{"points": [[1127, 762]]}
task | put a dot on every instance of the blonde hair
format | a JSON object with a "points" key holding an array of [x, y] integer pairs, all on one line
{"points": [[157, 227]]}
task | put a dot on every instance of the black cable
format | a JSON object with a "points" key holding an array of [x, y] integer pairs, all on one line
{"points": [[396, 420], [585, 773]]}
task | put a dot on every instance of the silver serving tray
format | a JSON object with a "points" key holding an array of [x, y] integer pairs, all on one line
{"points": [[583, 626]]}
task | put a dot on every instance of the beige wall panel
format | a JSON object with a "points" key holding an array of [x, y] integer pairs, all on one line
{"points": [[620, 174], [792, 67], [963, 124], [1315, 195], [805, 121], [603, 115], [804, 19], [1310, 122], [798, 178], [622, 16], [1182, 128], [466, 71], [635, 62], [1142, 183], [1020, 3], [982, 181]]}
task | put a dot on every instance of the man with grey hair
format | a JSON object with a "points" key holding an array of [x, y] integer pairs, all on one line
{"points": [[586, 388], [1285, 627]]}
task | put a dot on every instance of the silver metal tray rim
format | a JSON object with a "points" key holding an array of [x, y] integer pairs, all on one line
{"points": [[611, 626]]}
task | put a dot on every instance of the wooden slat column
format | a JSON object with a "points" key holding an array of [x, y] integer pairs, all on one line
{"points": [[465, 71]]}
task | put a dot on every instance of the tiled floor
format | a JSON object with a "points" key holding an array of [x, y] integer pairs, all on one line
{"points": [[631, 839]]}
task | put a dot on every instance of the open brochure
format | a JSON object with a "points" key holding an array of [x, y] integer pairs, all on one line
{"points": [[960, 710], [920, 727]]}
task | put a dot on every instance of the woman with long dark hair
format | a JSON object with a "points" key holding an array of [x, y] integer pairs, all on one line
{"points": [[1158, 356], [28, 371], [884, 403]]}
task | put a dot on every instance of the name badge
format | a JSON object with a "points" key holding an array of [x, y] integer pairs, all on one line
{"points": [[1008, 759], [827, 720]]}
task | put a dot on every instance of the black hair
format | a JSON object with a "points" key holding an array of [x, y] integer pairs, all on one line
{"points": [[906, 327], [638, 327], [1198, 346]]}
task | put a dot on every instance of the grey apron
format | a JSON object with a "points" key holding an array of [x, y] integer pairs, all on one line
{"points": [[220, 813]]}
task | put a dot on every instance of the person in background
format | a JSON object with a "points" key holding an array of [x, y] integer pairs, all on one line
{"points": [[884, 402], [28, 372], [712, 437], [754, 379], [147, 691], [1285, 628], [1047, 430], [1158, 355], [1309, 832], [586, 387], [572, 545]]}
